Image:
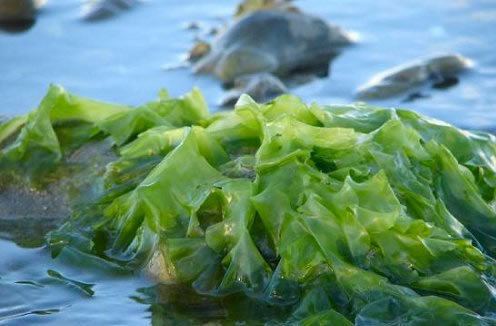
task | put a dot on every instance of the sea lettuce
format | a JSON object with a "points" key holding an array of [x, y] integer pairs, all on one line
{"points": [[331, 214], [31, 143]]}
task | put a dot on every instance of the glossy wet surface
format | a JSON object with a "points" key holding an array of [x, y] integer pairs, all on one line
{"points": [[34, 289], [123, 59]]}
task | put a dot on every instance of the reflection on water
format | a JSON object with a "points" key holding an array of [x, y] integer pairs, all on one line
{"points": [[172, 304]]}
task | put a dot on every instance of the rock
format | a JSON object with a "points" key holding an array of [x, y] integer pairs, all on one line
{"points": [[17, 10], [199, 50], [214, 31], [279, 42], [28, 212], [446, 82], [101, 9], [262, 87], [248, 6], [414, 96], [440, 70], [18, 15], [192, 26]]}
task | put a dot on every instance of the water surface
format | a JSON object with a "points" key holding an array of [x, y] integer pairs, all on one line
{"points": [[35, 289], [123, 59]]}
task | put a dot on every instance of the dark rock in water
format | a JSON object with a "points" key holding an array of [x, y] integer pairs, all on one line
{"points": [[275, 41], [440, 69], [28, 212], [446, 83], [192, 26], [214, 31], [261, 87], [17, 27], [101, 9], [415, 96], [18, 15]]}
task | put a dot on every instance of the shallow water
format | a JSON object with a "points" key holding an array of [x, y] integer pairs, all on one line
{"points": [[123, 59], [35, 289]]}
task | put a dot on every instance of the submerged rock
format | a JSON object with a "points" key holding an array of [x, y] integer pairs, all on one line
{"points": [[275, 41], [101, 9], [261, 87], [440, 70], [178, 304], [28, 212]]}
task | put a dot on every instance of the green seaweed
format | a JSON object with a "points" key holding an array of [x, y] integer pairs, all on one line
{"points": [[330, 214]]}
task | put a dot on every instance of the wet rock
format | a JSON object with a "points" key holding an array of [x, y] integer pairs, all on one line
{"points": [[18, 15], [446, 82], [261, 87], [17, 10], [414, 96], [214, 31], [101, 9], [198, 51], [279, 42], [192, 26], [439, 70], [28, 212], [94, 155], [248, 6]]}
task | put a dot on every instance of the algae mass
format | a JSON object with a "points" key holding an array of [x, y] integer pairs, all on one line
{"points": [[332, 214]]}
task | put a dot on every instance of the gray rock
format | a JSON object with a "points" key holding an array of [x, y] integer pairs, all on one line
{"points": [[275, 41], [261, 87], [101, 9], [28, 212], [409, 76]]}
